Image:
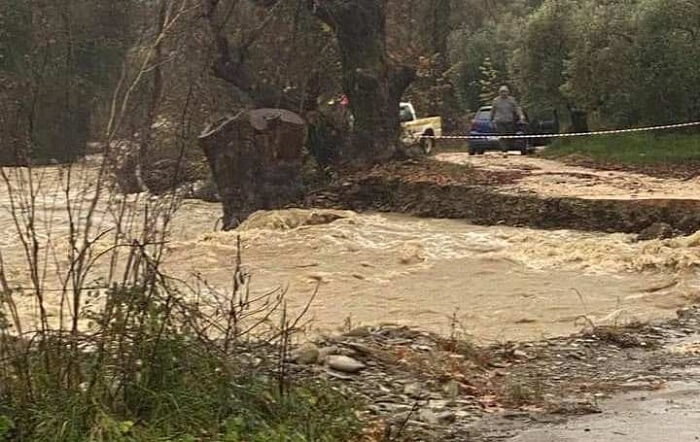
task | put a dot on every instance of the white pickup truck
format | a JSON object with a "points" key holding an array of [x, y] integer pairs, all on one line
{"points": [[415, 128]]}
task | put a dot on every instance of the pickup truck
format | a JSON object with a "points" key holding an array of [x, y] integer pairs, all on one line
{"points": [[415, 128]]}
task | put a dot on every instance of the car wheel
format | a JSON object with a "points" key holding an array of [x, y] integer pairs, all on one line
{"points": [[428, 145]]}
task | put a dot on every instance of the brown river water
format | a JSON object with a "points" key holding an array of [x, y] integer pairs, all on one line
{"points": [[499, 283]]}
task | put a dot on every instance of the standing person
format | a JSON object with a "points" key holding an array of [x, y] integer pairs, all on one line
{"points": [[505, 111]]}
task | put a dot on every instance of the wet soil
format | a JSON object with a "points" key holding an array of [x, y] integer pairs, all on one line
{"points": [[549, 178], [483, 196], [682, 171]]}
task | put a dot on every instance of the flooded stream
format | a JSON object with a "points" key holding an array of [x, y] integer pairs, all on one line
{"points": [[498, 283]]}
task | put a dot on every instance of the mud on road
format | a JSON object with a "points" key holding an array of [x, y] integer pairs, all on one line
{"points": [[521, 192], [550, 178]]}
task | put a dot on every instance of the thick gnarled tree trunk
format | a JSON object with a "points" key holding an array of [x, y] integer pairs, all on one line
{"points": [[256, 161], [372, 84], [248, 161]]}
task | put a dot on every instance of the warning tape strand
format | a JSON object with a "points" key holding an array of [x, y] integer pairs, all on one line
{"points": [[562, 135]]}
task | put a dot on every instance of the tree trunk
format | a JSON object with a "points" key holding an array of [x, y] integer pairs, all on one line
{"points": [[372, 85], [146, 144], [256, 161], [437, 31]]}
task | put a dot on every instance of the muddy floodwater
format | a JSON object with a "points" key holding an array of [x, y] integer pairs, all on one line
{"points": [[499, 283]]}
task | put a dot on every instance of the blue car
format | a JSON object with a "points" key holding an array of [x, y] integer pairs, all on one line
{"points": [[482, 126]]}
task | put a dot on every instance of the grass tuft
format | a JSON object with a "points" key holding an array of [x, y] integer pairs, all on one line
{"points": [[632, 149], [148, 377]]}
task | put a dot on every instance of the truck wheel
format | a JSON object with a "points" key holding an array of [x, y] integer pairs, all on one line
{"points": [[427, 144]]}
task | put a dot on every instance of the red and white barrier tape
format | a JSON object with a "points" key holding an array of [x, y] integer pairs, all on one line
{"points": [[563, 135]]}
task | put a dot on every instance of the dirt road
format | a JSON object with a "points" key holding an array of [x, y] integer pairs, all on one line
{"points": [[669, 414], [548, 178]]}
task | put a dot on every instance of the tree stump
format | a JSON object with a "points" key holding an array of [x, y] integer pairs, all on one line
{"points": [[256, 160]]}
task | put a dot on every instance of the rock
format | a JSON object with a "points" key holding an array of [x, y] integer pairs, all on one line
{"points": [[400, 418], [360, 332], [289, 219], [412, 253], [339, 375], [438, 404], [446, 417], [577, 356], [360, 348], [307, 354], [430, 417], [324, 352], [451, 389], [656, 231], [414, 390], [344, 364], [520, 354], [514, 414]]}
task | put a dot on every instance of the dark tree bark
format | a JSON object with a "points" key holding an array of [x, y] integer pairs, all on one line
{"points": [[153, 104], [372, 84], [256, 161], [437, 30]]}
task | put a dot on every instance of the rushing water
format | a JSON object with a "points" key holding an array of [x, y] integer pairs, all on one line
{"points": [[497, 282]]}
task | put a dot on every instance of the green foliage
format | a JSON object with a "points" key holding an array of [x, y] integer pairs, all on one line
{"points": [[624, 62], [491, 33], [481, 64], [489, 82], [148, 377], [631, 149], [538, 63], [6, 427]]}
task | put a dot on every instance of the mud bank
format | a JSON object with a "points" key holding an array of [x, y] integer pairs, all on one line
{"points": [[451, 196]]}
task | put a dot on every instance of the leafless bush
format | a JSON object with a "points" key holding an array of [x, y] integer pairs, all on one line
{"points": [[87, 312]]}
